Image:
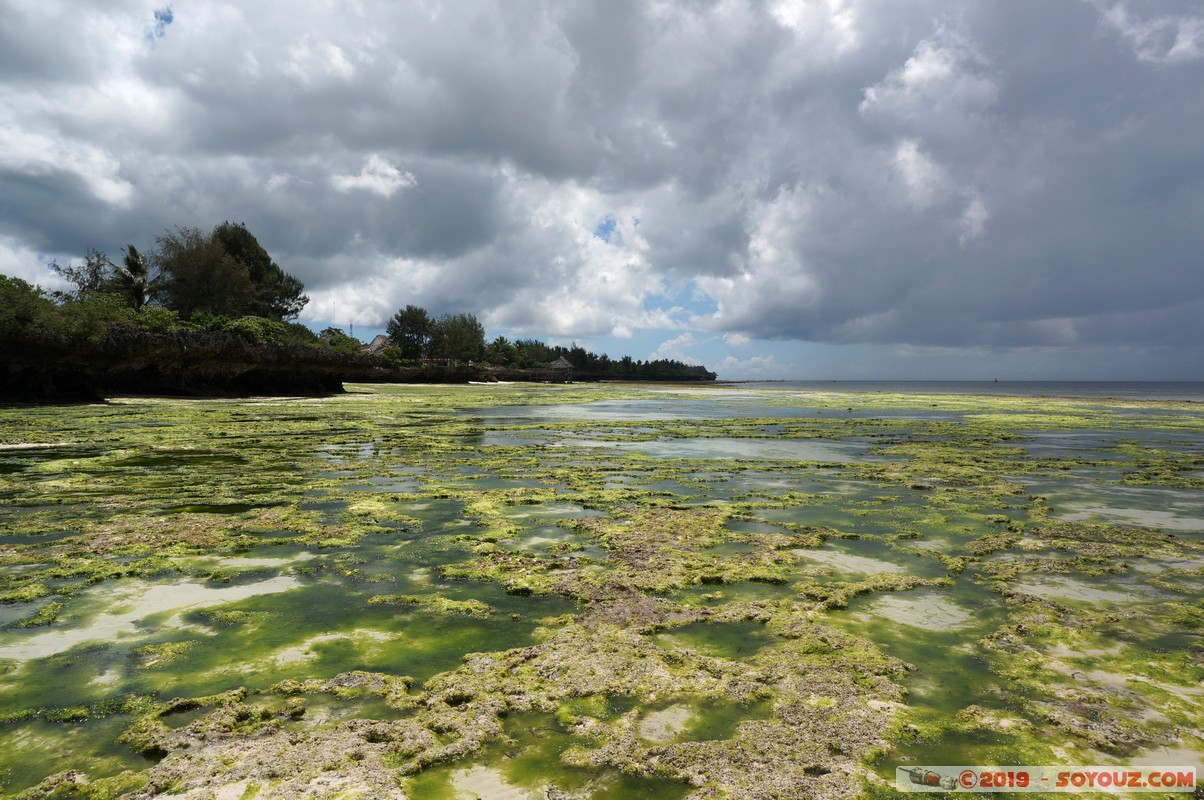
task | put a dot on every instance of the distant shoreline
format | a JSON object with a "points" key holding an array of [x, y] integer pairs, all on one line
{"points": [[1129, 391]]}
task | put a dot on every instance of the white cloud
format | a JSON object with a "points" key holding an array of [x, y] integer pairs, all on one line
{"points": [[18, 261], [309, 62], [973, 221], [377, 176], [34, 153], [736, 339], [925, 179], [942, 91], [363, 302], [675, 349], [579, 284], [748, 369], [830, 22], [774, 272], [279, 180], [1166, 38]]}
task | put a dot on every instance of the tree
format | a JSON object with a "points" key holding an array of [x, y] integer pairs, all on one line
{"points": [[500, 352], [410, 331], [89, 277], [458, 337], [132, 280], [28, 315], [277, 294], [226, 272], [532, 353], [199, 276], [25, 311], [581, 358]]}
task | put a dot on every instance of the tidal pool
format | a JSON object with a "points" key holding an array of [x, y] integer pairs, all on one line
{"points": [[591, 592], [129, 606]]}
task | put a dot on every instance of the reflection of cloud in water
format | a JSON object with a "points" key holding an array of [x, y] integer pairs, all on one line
{"points": [[1163, 756], [929, 611], [138, 602], [1071, 589], [662, 726], [1160, 565], [109, 677], [846, 562], [1146, 518], [305, 650], [483, 783], [1145, 506], [943, 545], [246, 562]]}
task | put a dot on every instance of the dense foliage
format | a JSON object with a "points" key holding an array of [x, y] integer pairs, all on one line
{"points": [[29, 314], [416, 335], [226, 272], [534, 354], [410, 332], [457, 337], [95, 344]]}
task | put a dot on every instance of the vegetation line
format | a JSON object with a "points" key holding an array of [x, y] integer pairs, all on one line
{"points": [[213, 314]]}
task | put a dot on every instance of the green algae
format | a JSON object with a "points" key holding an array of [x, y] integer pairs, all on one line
{"points": [[471, 607], [471, 564], [529, 758], [732, 640]]}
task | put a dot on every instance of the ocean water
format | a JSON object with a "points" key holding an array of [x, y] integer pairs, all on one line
{"points": [[1125, 390]]}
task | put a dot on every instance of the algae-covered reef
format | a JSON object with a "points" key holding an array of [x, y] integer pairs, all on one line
{"points": [[592, 592]]}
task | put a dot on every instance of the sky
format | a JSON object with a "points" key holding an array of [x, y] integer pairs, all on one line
{"points": [[788, 189]]}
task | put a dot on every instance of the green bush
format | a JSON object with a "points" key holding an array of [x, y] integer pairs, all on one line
{"points": [[25, 311], [204, 321], [89, 318], [157, 318], [345, 344], [296, 333], [260, 330], [394, 358]]}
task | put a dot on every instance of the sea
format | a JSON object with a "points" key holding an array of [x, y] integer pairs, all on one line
{"points": [[1191, 391]]}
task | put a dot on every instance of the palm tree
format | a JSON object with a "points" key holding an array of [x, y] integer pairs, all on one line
{"points": [[132, 279]]}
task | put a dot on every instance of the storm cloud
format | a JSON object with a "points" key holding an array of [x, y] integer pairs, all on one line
{"points": [[794, 188]]}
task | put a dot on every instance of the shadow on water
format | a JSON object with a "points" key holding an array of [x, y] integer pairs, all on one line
{"points": [[734, 640], [92, 746]]}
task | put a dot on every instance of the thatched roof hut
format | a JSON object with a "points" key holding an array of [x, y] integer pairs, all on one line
{"points": [[376, 345]]}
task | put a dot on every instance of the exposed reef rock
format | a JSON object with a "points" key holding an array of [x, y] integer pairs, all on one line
{"points": [[133, 361]]}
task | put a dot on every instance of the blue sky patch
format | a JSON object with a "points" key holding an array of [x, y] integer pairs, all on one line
{"points": [[606, 228], [687, 298], [163, 18]]}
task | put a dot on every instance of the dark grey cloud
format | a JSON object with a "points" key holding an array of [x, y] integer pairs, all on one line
{"points": [[919, 177]]}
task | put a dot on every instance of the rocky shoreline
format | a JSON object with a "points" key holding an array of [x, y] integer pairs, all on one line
{"points": [[134, 361]]}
